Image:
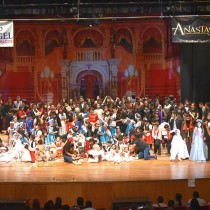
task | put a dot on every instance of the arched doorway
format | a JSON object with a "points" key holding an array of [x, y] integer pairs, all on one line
{"points": [[90, 84], [89, 81]]}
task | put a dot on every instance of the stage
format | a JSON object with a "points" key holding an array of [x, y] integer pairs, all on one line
{"points": [[104, 181], [104, 171]]}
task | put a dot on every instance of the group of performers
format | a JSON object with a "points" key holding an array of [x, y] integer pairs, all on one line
{"points": [[105, 129]]}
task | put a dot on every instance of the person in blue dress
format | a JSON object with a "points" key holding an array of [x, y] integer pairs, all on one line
{"points": [[198, 150], [50, 133]]}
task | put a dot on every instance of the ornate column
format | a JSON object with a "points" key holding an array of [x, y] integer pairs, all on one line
{"points": [[65, 79], [113, 62]]}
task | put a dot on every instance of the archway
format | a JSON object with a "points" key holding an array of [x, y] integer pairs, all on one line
{"points": [[90, 83]]}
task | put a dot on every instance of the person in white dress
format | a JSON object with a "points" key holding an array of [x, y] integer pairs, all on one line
{"points": [[62, 116], [117, 158], [94, 154], [25, 156], [178, 147], [17, 149]]}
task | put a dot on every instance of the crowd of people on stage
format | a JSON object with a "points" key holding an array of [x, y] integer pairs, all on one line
{"points": [[116, 130]]}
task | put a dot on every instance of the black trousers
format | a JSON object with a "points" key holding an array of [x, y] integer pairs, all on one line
{"points": [[157, 146], [1, 123]]}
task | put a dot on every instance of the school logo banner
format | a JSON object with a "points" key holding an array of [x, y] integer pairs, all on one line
{"points": [[190, 30], [6, 34]]}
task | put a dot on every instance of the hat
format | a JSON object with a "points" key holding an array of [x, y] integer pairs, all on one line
{"points": [[137, 116], [199, 120], [51, 121]]}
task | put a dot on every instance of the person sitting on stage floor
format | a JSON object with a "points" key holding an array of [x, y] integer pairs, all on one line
{"points": [[142, 147], [94, 153], [25, 155], [117, 158], [68, 149], [127, 157], [76, 158], [40, 151]]}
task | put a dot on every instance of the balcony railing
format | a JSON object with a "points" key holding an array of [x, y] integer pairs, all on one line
{"points": [[153, 56], [24, 59], [89, 54]]}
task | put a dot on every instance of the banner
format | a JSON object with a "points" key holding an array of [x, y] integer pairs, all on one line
{"points": [[190, 30], [6, 34]]}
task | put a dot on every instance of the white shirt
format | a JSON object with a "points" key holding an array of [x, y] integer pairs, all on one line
{"points": [[159, 205]]}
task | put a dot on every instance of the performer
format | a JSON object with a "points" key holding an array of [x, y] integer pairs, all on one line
{"points": [[187, 130], [166, 137], [93, 153], [207, 134], [178, 147], [176, 121], [156, 135], [198, 151], [32, 148], [51, 133], [142, 147], [68, 150], [25, 156]]}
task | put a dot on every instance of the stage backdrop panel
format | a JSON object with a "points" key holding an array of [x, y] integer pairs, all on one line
{"points": [[195, 74]]}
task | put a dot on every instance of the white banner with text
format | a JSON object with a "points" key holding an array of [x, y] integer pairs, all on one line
{"points": [[6, 34]]}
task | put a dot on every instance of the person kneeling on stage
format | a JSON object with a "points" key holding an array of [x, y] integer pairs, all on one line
{"points": [[68, 150], [142, 147]]}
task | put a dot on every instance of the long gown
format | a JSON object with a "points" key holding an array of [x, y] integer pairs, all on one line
{"points": [[198, 150], [178, 148]]}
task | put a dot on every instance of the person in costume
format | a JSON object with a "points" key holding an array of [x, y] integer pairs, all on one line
{"points": [[178, 147], [198, 151], [207, 134]]}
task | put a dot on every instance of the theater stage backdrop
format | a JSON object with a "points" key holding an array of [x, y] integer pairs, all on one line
{"points": [[56, 60]]}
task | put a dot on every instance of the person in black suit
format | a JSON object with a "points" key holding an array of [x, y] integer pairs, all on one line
{"points": [[176, 121], [206, 129]]}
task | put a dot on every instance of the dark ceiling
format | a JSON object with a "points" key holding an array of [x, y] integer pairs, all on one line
{"points": [[100, 9]]}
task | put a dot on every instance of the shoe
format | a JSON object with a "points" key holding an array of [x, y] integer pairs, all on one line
{"points": [[155, 157]]}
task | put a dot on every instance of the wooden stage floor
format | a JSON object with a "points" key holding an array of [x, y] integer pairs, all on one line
{"points": [[138, 170]]}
